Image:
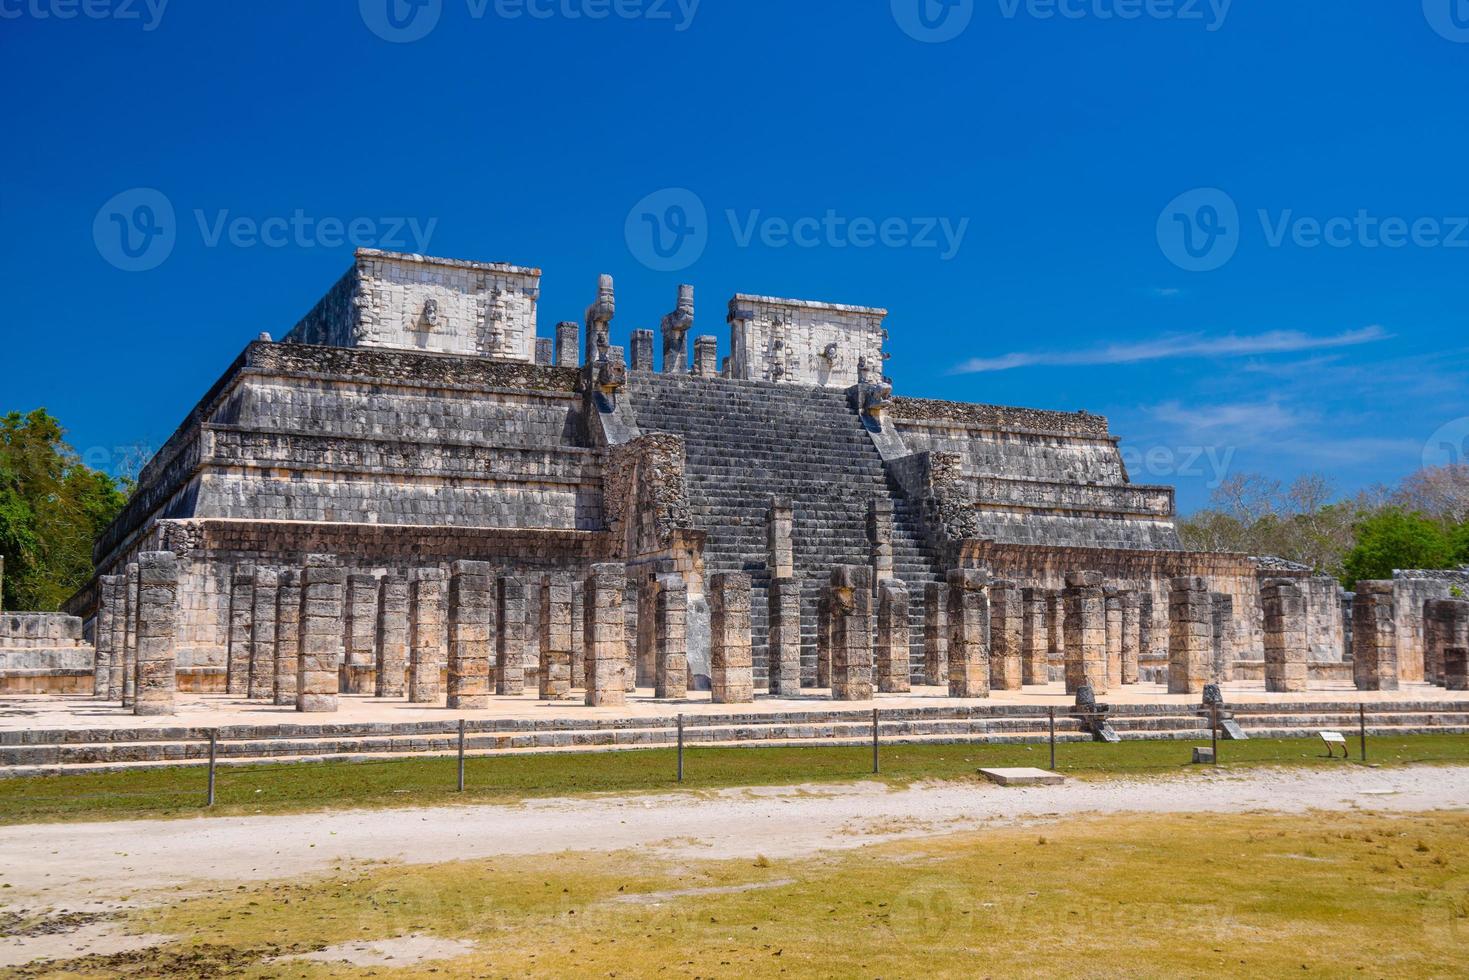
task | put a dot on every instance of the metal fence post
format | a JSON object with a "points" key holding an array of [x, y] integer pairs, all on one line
{"points": [[680, 748], [213, 742], [1362, 728], [1052, 712], [875, 766], [461, 755]]}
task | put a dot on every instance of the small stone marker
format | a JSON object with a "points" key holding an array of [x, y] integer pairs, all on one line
{"points": [[1023, 777], [1203, 754]]}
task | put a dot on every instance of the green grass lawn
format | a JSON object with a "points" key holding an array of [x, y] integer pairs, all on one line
{"points": [[295, 788]]}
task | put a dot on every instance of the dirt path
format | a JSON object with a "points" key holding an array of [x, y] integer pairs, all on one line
{"points": [[99, 865]]}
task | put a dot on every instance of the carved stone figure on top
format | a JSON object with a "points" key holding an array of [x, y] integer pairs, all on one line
{"points": [[675, 329], [496, 319], [599, 321], [874, 393]]}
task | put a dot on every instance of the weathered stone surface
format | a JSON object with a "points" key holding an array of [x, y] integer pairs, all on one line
{"points": [[287, 637], [260, 684], [850, 615], [158, 576], [130, 643], [1445, 624], [893, 673], [605, 641], [471, 634], [428, 635], [106, 610], [880, 538], [1286, 648], [1374, 637], [732, 673], [318, 669], [512, 602], [1112, 603], [780, 523], [1085, 632], [670, 613], [1007, 630], [391, 670], [1131, 636], [1456, 668], [1223, 637], [1190, 635], [1034, 639], [554, 677], [823, 636], [361, 634], [784, 644], [241, 630], [935, 635], [578, 637], [969, 634]]}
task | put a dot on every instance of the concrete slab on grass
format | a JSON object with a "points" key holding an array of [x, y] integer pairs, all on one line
{"points": [[1023, 777]]}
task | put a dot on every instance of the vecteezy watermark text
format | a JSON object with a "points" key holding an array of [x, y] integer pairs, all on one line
{"points": [[405, 21], [148, 13], [137, 230], [1208, 463], [1210, 13]]}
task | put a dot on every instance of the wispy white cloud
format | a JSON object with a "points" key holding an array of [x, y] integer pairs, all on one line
{"points": [[1177, 346], [1271, 429]]}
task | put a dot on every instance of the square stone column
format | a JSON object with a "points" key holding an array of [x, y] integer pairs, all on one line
{"points": [[1456, 668], [287, 637], [578, 636], [642, 351], [158, 582], [1131, 637], [260, 685], [568, 344], [1144, 625], [1112, 602], [512, 602], [969, 634], [1007, 630], [645, 655], [823, 637], [130, 640], [1223, 638], [242, 613], [361, 634], [894, 674], [784, 640], [119, 637], [706, 357], [731, 669], [1445, 624], [780, 552], [390, 673], [428, 635], [1286, 650], [554, 675], [318, 671], [850, 611], [670, 630], [1374, 637], [471, 634], [106, 597], [880, 538], [1085, 632], [1034, 655], [1190, 635], [1055, 629], [935, 635], [604, 639]]}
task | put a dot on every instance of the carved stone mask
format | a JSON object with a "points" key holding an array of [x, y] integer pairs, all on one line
{"points": [[431, 313]]}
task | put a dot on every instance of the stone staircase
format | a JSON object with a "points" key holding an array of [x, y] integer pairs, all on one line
{"points": [[749, 441]]}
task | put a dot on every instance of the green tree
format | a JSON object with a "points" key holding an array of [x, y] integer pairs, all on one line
{"points": [[52, 507], [1394, 538]]}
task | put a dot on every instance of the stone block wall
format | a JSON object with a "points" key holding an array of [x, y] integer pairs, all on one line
{"points": [[45, 653], [803, 342]]}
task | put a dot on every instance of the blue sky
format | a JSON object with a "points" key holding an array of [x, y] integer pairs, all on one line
{"points": [[1238, 229]]}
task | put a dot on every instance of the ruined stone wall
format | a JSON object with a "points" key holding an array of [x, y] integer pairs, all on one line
{"points": [[1411, 589], [416, 302], [44, 653], [802, 342]]}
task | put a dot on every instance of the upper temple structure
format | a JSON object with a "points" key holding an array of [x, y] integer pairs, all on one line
{"points": [[418, 454]]}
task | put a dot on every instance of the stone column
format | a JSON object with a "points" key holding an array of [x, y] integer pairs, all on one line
{"points": [[1286, 651], [1144, 625], [1445, 624], [1374, 637], [511, 603], [670, 630], [645, 657], [731, 670], [578, 636], [260, 686], [242, 611], [1055, 629], [1112, 602], [318, 671], [287, 638], [675, 328], [1222, 623], [1456, 668], [471, 634], [428, 638], [880, 538], [850, 612], [780, 551], [1006, 635], [604, 641], [545, 351], [1033, 646], [554, 675], [642, 351], [568, 344], [1131, 637], [102, 634], [158, 582], [935, 635], [823, 637], [969, 634], [784, 642], [119, 639], [1190, 635], [893, 653], [1085, 632], [706, 357], [130, 644], [390, 674], [361, 633]]}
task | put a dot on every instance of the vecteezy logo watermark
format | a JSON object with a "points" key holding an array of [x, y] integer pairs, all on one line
{"points": [[1199, 231], [1208, 463], [1449, 446], [149, 13], [403, 21], [933, 21], [1211, 13], [668, 230], [1450, 18], [137, 230]]}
